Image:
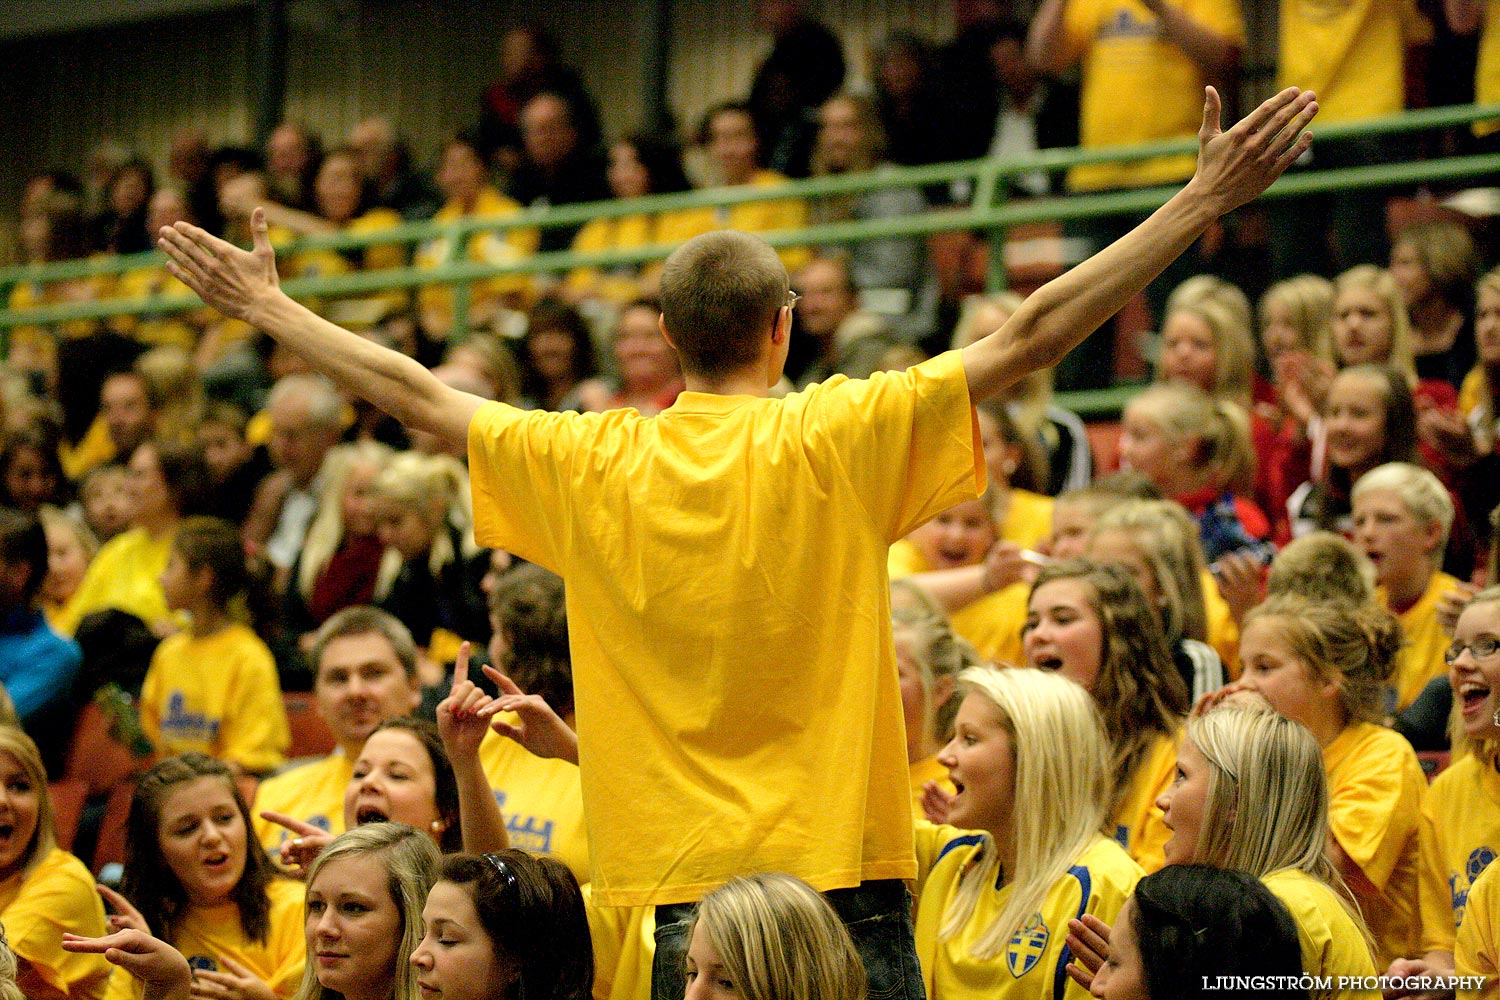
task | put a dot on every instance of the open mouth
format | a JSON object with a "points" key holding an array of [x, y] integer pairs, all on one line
{"points": [[1472, 695], [369, 814], [1047, 661], [6, 831], [216, 861]]}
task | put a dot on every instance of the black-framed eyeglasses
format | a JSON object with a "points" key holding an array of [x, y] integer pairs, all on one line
{"points": [[507, 877], [1482, 648], [792, 298]]}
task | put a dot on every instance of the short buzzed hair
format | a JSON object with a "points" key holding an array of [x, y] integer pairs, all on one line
{"points": [[720, 293], [325, 407]]}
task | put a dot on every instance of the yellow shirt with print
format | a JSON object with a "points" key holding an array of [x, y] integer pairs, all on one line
{"points": [[312, 792], [541, 800], [624, 939], [217, 694], [1375, 792], [1460, 831], [496, 247], [718, 669], [1487, 72], [1421, 656], [622, 284], [36, 908], [1031, 964], [126, 576], [1333, 943], [1351, 52], [992, 624], [1478, 952], [1138, 86], [206, 936], [1139, 824]]}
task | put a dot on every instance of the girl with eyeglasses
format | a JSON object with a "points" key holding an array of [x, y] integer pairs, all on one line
{"points": [[1460, 823]]}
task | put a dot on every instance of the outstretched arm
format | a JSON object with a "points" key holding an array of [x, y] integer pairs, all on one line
{"points": [[243, 285], [1233, 168]]}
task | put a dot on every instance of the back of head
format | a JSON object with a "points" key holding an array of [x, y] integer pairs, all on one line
{"points": [[1168, 540], [1267, 805], [411, 861], [1195, 923], [1221, 429], [1323, 565], [533, 912], [529, 606], [780, 940], [720, 294]]}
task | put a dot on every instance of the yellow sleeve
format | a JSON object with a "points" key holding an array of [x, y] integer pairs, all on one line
{"points": [[255, 734], [58, 897], [1139, 817], [1476, 953], [380, 256], [286, 940], [1223, 17], [1433, 896], [1373, 810], [624, 946]]}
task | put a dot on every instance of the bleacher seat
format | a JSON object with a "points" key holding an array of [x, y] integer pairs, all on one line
{"points": [[311, 736]]}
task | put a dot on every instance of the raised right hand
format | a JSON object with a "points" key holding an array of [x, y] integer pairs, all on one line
{"points": [[541, 730], [232, 280], [299, 851], [151, 960], [1234, 167]]}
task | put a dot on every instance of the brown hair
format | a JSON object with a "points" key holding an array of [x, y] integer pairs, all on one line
{"points": [[720, 293]]}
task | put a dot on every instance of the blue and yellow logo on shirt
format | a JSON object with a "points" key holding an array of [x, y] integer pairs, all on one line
{"points": [[1026, 946]]}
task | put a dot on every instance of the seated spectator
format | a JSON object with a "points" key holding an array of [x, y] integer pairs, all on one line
{"points": [[340, 557], [235, 466], [556, 356], [828, 319], [240, 923], [650, 376], [167, 483], [71, 546], [1435, 265], [342, 203], [107, 500], [181, 328], [174, 393], [804, 68], [31, 473], [491, 361], [430, 573], [46, 891], [892, 274], [292, 157], [37, 666], [234, 711], [1057, 433], [728, 134], [529, 65], [1296, 330], [1402, 517], [121, 227], [557, 167], [464, 181], [929, 657], [639, 165], [904, 73], [386, 163], [364, 673]]}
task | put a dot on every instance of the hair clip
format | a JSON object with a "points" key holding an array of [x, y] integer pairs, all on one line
{"points": [[502, 869]]}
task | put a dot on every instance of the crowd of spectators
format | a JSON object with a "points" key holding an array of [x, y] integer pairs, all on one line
{"points": [[182, 489]]}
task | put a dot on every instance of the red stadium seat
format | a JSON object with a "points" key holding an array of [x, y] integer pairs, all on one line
{"points": [[95, 757], [110, 847], [311, 736]]}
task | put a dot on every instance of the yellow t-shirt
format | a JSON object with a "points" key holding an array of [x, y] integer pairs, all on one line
{"points": [[1460, 831], [718, 668], [1333, 943], [312, 792], [922, 772], [1223, 632], [992, 624], [1478, 951], [94, 449], [1031, 964], [756, 217], [1487, 73], [1138, 86], [178, 329], [126, 575], [1138, 821], [322, 263], [57, 897], [208, 936], [1028, 519], [1375, 791], [622, 284], [217, 694], [1351, 52], [486, 248], [624, 939], [1421, 656], [541, 801]]}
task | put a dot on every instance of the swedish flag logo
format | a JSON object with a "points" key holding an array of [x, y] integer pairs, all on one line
{"points": [[1026, 946]]}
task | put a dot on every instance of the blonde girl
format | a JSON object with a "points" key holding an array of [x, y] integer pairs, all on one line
{"points": [[1208, 344], [430, 572], [771, 937], [1296, 319], [44, 891], [1433, 265], [1370, 326], [341, 556], [1157, 543], [1031, 763], [1296, 329], [1326, 664], [1476, 400], [1092, 624], [1197, 451], [71, 546]]}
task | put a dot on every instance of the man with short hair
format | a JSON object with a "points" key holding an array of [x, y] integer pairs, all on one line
{"points": [[728, 605], [365, 672], [128, 414], [829, 318], [556, 168]]}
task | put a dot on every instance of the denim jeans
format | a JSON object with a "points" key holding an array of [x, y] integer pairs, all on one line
{"points": [[878, 915]]}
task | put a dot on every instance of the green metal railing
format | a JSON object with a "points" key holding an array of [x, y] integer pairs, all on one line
{"points": [[989, 211]]}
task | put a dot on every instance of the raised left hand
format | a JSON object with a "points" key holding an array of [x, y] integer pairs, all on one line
{"points": [[1234, 167]]}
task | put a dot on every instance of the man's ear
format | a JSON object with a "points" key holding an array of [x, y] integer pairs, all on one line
{"points": [[661, 324], [781, 331]]}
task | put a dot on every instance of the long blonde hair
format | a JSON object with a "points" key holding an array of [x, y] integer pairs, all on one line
{"points": [[326, 533], [1167, 540], [20, 746], [1309, 298], [780, 940], [1062, 775], [1220, 427], [1234, 345], [436, 486], [1378, 280], [9, 968], [1483, 418]]}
